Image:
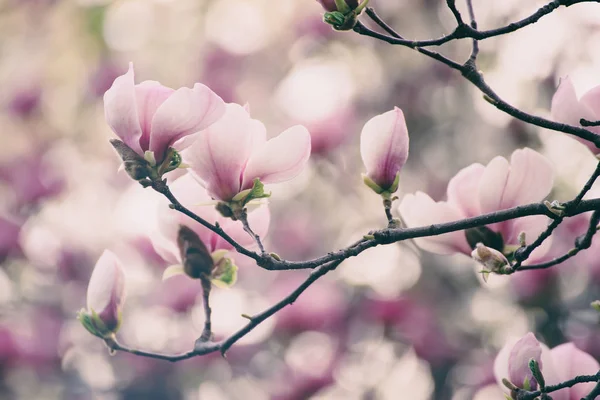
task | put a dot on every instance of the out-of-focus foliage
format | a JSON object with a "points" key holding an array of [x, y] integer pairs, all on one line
{"points": [[392, 323]]}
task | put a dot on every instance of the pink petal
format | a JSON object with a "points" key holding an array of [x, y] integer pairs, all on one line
{"points": [[462, 187], [530, 179], [525, 349], [591, 100], [384, 146], [565, 104], [120, 110], [570, 362], [493, 184], [219, 155], [149, 97], [280, 158], [106, 290], [185, 112], [420, 210], [566, 108], [508, 355]]}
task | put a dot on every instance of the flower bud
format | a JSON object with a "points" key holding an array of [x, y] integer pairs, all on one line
{"points": [[384, 150], [491, 259], [105, 297], [484, 235], [135, 165], [196, 259], [514, 360]]}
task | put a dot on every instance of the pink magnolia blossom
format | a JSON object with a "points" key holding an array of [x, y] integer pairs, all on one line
{"points": [[560, 364], [152, 117], [230, 154], [476, 190], [569, 109], [187, 190], [384, 149], [106, 292], [329, 5], [571, 362]]}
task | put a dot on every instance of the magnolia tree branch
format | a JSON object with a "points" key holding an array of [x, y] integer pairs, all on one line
{"points": [[465, 31], [471, 73], [203, 347], [393, 234], [524, 252]]}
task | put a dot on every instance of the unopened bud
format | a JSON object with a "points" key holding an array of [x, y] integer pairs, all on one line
{"points": [[135, 165], [491, 259], [484, 235], [196, 259]]}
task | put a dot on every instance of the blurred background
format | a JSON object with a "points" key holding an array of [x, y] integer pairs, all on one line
{"points": [[394, 322]]}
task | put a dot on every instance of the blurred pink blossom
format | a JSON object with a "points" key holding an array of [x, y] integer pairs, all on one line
{"points": [[384, 148], [230, 154], [106, 291], [569, 109], [562, 363], [477, 190], [329, 133], [152, 117], [32, 177]]}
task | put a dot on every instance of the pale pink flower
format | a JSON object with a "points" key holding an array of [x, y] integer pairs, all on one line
{"points": [[560, 364], [384, 148], [230, 154], [570, 362], [477, 190], [106, 292], [189, 192], [569, 109], [152, 117], [329, 5]]}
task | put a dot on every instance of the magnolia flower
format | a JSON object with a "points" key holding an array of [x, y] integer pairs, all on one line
{"points": [[477, 190], [330, 5], [149, 117], [187, 190], [560, 364], [384, 150], [105, 297], [229, 155], [569, 109]]}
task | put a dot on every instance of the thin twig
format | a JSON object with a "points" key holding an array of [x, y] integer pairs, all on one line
{"points": [[476, 78], [207, 331], [523, 253], [475, 50], [243, 218]]}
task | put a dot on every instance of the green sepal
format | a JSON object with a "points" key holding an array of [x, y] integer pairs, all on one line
{"points": [[342, 7], [371, 184], [173, 270], [526, 383], [149, 156], [534, 367], [392, 189], [172, 161], [218, 255], [93, 324], [224, 274], [256, 192]]}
